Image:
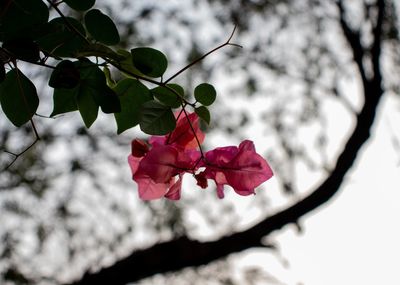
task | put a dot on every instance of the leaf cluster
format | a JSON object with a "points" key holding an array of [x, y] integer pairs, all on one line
{"points": [[81, 53]]}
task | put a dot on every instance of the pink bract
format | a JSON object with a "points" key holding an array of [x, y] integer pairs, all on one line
{"points": [[159, 169]]}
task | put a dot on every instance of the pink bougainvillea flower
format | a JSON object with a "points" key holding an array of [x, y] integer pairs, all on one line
{"points": [[182, 137], [240, 167], [155, 170], [139, 148], [164, 161], [158, 168]]}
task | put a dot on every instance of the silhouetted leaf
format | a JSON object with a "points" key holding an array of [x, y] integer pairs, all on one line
{"points": [[66, 75], [205, 94], [91, 93], [127, 64], [23, 48], [2, 73], [57, 39], [203, 113], [20, 17], [87, 105], [108, 100], [149, 61], [18, 97], [156, 119], [101, 27], [80, 5], [64, 101], [99, 50], [132, 95], [168, 97]]}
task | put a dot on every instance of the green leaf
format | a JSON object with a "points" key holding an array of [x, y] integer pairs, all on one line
{"points": [[203, 113], [101, 27], [87, 106], [64, 101], [57, 39], [99, 50], [109, 80], [18, 97], [2, 73], [66, 75], [80, 5], [21, 17], [205, 94], [149, 61], [127, 64], [132, 95], [156, 119], [91, 92], [108, 100], [168, 97], [23, 48]]}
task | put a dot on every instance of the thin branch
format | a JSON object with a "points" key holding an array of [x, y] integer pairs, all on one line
{"points": [[17, 155], [70, 26], [353, 39], [227, 43], [193, 131]]}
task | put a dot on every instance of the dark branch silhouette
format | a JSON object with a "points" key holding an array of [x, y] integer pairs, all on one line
{"points": [[183, 252]]}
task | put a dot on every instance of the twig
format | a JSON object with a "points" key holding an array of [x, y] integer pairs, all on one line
{"points": [[194, 132], [227, 43], [17, 155], [70, 26]]}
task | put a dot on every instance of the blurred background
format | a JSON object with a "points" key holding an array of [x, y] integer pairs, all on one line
{"points": [[295, 88]]}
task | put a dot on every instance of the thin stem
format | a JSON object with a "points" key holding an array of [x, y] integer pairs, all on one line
{"points": [[194, 132], [72, 28], [227, 43], [177, 118], [17, 155]]}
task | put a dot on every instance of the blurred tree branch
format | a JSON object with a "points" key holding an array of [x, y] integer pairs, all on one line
{"points": [[184, 252]]}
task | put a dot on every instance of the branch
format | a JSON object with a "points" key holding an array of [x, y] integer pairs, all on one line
{"points": [[353, 39], [227, 43], [17, 155]]}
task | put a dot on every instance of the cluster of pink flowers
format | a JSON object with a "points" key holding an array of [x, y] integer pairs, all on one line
{"points": [[158, 167]]}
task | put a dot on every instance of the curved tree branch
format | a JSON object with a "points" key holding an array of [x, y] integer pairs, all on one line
{"points": [[183, 252]]}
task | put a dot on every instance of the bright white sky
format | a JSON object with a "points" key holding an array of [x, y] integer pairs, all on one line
{"points": [[355, 238]]}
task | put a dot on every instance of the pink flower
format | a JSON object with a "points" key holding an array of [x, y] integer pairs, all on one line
{"points": [[182, 137], [158, 170], [241, 168]]}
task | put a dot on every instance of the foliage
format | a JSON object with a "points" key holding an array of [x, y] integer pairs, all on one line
{"points": [[83, 52]]}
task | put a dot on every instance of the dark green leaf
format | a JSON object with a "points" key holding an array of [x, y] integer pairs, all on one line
{"points": [[156, 119], [205, 94], [87, 106], [21, 17], [108, 100], [168, 97], [80, 5], [57, 39], [2, 73], [66, 75], [99, 50], [91, 92], [132, 95], [18, 97], [23, 48], [127, 64], [109, 80], [149, 61], [64, 101], [203, 113], [101, 27]]}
